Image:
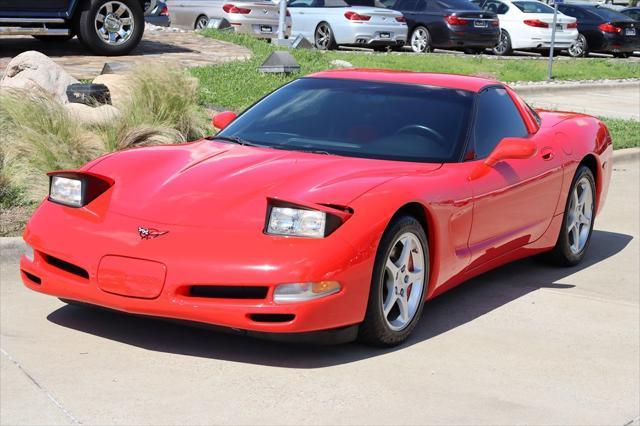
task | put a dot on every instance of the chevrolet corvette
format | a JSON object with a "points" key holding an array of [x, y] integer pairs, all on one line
{"points": [[330, 210]]}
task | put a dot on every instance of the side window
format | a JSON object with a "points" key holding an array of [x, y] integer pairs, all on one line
{"points": [[301, 3], [495, 7], [405, 5], [496, 118], [422, 5]]}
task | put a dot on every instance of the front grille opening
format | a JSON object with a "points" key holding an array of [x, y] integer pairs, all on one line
{"points": [[32, 277], [228, 291], [272, 317], [67, 267]]}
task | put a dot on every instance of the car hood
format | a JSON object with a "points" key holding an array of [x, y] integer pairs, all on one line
{"points": [[216, 184]]}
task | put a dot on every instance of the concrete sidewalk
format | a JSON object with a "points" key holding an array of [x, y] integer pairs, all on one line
{"points": [[621, 101], [525, 344]]}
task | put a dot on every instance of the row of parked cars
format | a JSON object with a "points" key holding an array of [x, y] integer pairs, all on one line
{"points": [[473, 26]]}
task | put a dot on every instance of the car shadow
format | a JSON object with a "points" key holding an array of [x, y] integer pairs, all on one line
{"points": [[457, 307], [13, 46]]}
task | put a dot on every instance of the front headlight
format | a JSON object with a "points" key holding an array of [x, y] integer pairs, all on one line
{"points": [[297, 222], [65, 190]]}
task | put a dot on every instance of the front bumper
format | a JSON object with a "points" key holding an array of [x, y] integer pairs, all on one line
{"points": [[192, 256]]}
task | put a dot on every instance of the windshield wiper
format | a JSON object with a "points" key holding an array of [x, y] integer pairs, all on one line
{"points": [[237, 140]]}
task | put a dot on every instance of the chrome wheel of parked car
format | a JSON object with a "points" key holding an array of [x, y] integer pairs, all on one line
{"points": [[324, 37], [580, 215], [579, 48], [420, 40], [202, 22], [504, 44], [403, 281], [114, 23]]}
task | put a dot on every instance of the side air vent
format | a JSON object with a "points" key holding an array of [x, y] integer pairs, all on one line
{"points": [[272, 317], [31, 277], [66, 266]]}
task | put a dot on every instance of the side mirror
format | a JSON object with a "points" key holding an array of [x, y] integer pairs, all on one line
{"points": [[223, 119], [507, 149]]}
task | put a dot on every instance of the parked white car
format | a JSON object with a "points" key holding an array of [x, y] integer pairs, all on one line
{"points": [[527, 25], [332, 23], [258, 18]]}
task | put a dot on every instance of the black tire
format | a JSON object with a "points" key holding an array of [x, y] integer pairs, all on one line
{"points": [[201, 23], [375, 329], [420, 32], [53, 39], [323, 37], [504, 46], [580, 48], [87, 19], [562, 254]]}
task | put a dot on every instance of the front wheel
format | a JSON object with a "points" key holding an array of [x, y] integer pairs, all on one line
{"points": [[577, 223], [398, 286], [579, 49], [111, 27]]}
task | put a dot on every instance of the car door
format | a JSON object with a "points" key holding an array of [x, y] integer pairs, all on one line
{"points": [[515, 200], [302, 18]]}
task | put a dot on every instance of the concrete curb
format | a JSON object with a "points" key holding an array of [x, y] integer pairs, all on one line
{"points": [[626, 156], [530, 89]]}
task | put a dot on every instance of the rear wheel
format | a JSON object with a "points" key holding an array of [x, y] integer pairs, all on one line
{"points": [[400, 277], [577, 223], [201, 23], [420, 40], [111, 27], [503, 48], [580, 48], [324, 38]]}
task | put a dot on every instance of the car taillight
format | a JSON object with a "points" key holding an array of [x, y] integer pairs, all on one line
{"points": [[353, 16], [454, 20], [536, 23], [164, 11], [609, 28], [401, 19], [495, 23], [232, 8], [572, 25]]}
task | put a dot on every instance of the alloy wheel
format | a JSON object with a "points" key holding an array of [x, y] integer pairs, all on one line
{"points": [[580, 215], [202, 23], [503, 42], [577, 49], [114, 23], [404, 278], [323, 36], [419, 40]]}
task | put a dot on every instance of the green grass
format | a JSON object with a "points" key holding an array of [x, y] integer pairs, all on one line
{"points": [[625, 133], [237, 85]]}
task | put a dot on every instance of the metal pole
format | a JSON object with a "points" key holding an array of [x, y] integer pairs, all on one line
{"points": [[553, 39], [282, 20]]}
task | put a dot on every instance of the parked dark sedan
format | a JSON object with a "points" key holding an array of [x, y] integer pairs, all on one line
{"points": [[159, 15], [448, 24], [602, 30]]}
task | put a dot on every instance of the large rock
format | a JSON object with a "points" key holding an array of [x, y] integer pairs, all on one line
{"points": [[85, 114], [34, 71], [120, 88]]}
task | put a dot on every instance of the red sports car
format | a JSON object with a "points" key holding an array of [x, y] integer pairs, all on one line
{"points": [[331, 209]]}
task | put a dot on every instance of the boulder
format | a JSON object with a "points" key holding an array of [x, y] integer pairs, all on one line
{"points": [[87, 115], [339, 63], [120, 88], [34, 71]]}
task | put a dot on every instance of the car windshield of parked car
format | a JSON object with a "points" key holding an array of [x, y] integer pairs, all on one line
{"points": [[458, 5], [359, 118], [610, 15], [532, 7]]}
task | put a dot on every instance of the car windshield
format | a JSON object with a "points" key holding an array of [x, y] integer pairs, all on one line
{"points": [[532, 7], [359, 118], [610, 15]]}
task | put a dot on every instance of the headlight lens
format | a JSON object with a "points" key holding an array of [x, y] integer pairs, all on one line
{"points": [[300, 292], [297, 222], [65, 190], [28, 252]]}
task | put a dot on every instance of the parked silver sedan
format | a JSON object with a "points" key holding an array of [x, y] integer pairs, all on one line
{"points": [[258, 18], [332, 23]]}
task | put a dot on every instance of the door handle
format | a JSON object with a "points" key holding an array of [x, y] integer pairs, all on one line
{"points": [[547, 153]]}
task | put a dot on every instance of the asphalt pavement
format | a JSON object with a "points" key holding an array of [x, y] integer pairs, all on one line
{"points": [[524, 344]]}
